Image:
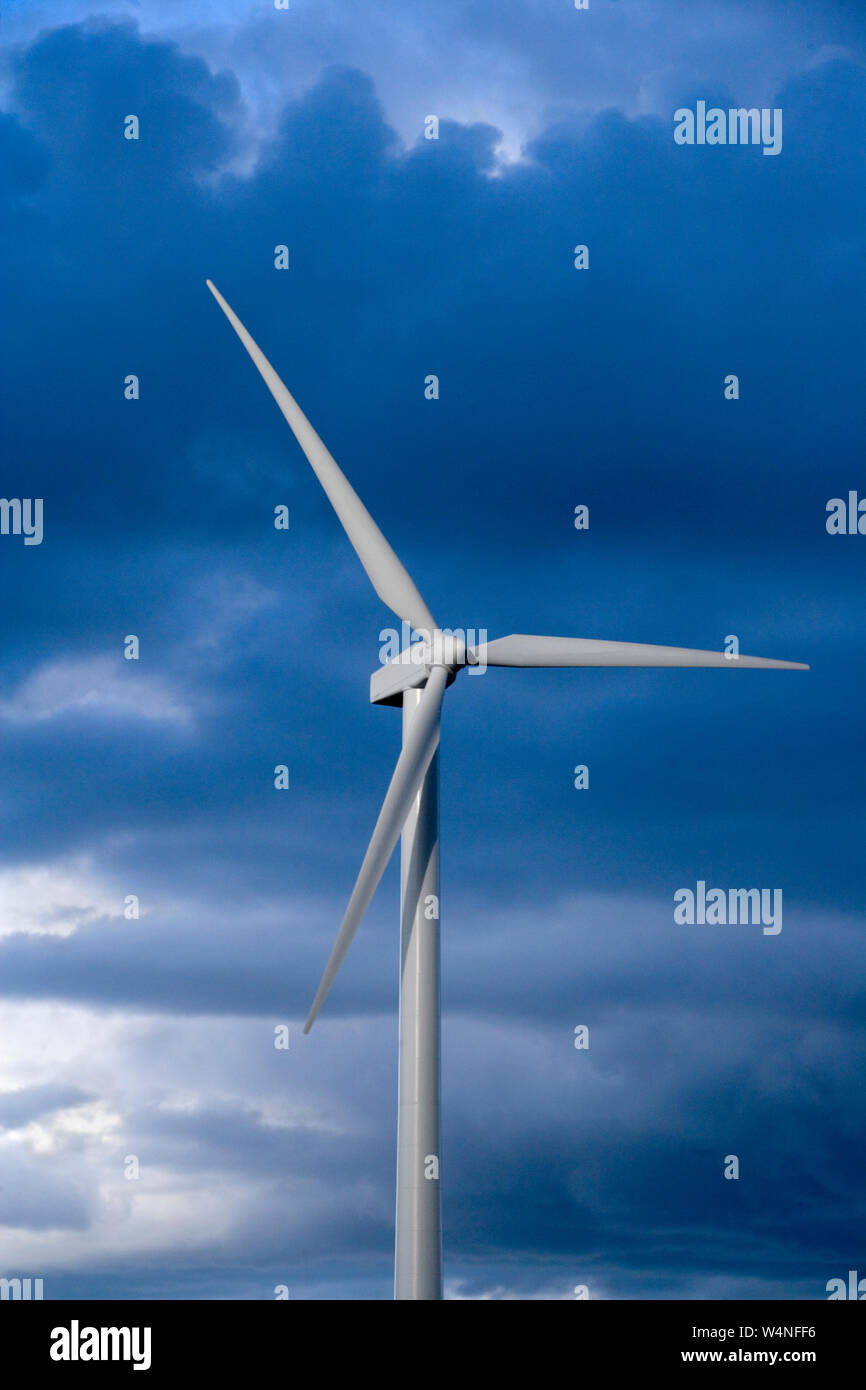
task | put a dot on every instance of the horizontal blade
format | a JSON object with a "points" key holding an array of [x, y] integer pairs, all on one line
{"points": [[386, 573], [522, 650], [412, 765]]}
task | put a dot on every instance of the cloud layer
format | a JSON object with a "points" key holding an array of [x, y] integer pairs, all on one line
{"points": [[153, 1036]]}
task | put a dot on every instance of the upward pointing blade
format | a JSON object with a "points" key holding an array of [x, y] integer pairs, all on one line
{"points": [[521, 649], [385, 571], [409, 773]]}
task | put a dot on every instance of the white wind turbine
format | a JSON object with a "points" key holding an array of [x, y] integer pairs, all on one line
{"points": [[417, 680]]}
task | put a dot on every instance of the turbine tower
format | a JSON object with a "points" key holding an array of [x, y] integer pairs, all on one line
{"points": [[416, 680]]}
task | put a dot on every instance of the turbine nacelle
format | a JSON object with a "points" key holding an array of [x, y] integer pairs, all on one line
{"points": [[411, 667]]}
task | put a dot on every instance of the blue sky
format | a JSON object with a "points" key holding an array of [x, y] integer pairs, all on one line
{"points": [[154, 1037]]}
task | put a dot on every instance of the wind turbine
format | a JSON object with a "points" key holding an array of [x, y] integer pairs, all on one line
{"points": [[417, 680]]}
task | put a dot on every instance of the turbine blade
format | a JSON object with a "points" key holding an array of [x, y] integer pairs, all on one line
{"points": [[521, 649], [386, 573], [414, 760]]}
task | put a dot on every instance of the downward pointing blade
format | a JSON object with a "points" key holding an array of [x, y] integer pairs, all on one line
{"points": [[521, 649], [385, 571], [408, 775]]}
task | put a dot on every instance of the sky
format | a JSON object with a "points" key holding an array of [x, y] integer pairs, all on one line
{"points": [[152, 1038]]}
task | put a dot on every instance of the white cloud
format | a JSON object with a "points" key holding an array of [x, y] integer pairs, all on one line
{"points": [[101, 686], [136, 1071], [75, 1126], [53, 899]]}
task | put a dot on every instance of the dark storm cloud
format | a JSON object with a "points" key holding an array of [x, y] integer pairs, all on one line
{"points": [[77, 82]]}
